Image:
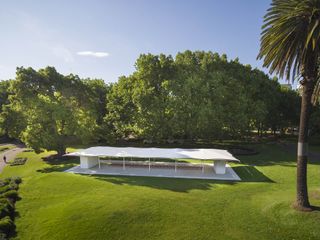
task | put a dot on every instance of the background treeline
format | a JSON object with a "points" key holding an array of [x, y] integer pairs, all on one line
{"points": [[196, 95]]}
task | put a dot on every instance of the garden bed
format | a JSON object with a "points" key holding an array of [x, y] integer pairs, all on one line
{"points": [[8, 197], [18, 161]]}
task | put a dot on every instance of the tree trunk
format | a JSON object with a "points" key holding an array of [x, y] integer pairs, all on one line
{"points": [[61, 151], [302, 201]]}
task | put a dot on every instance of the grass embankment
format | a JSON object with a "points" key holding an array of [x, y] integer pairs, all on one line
{"points": [[6, 147], [57, 205]]}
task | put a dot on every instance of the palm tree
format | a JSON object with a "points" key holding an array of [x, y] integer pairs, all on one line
{"points": [[290, 43]]}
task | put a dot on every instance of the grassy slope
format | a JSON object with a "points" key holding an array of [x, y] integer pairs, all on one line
{"points": [[6, 147], [57, 205]]}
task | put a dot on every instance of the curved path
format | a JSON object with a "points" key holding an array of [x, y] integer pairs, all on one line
{"points": [[10, 155]]}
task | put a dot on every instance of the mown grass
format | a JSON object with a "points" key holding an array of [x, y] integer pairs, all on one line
{"points": [[6, 147], [58, 205]]}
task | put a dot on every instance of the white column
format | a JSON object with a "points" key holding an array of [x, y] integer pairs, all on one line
{"points": [[219, 166], [88, 161]]}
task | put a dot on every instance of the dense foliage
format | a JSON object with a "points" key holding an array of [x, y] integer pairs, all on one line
{"points": [[49, 110], [196, 95], [8, 197]]}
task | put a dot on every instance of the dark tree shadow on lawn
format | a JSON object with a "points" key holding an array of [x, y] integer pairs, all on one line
{"points": [[281, 154], [246, 173], [171, 184], [58, 164], [251, 174]]}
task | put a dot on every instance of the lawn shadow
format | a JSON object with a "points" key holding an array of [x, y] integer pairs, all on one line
{"points": [[246, 173], [171, 184], [281, 154], [251, 174], [58, 164], [315, 208]]}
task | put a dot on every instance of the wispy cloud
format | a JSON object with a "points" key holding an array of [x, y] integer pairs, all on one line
{"points": [[93, 54]]}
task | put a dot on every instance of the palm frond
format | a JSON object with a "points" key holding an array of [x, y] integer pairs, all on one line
{"points": [[290, 37]]}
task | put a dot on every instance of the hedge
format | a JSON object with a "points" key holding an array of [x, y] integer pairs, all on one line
{"points": [[18, 161], [8, 197]]}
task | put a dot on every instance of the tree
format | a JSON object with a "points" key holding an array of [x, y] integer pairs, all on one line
{"points": [[96, 91], [121, 110], [290, 44], [4, 100], [47, 110]]}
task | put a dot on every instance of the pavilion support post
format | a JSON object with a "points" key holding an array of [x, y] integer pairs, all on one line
{"points": [[149, 165], [219, 166], [123, 163], [202, 166], [175, 165], [88, 161], [99, 162]]}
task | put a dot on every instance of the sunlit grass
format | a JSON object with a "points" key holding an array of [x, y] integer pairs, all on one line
{"points": [[58, 205]]}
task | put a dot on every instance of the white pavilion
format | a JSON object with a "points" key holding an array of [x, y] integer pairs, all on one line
{"points": [[156, 162]]}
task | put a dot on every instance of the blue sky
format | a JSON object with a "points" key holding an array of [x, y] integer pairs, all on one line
{"points": [[102, 39]]}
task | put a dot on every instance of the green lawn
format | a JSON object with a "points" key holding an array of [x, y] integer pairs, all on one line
{"points": [[57, 205], [6, 147]]}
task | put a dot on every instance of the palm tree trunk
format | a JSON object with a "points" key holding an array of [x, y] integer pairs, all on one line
{"points": [[302, 200]]}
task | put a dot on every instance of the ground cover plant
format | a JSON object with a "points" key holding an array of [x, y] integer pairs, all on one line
{"points": [[58, 205], [18, 161], [8, 198], [6, 147]]}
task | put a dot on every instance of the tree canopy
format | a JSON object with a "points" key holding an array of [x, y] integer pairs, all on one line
{"points": [[195, 95], [48, 110]]}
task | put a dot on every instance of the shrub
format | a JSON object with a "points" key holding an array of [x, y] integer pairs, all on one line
{"points": [[11, 194], [4, 201], [8, 197], [4, 189], [18, 161], [13, 186], [6, 181], [17, 180], [9, 184], [4, 210], [6, 225], [3, 236]]}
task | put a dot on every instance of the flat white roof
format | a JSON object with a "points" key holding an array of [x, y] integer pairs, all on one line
{"points": [[173, 153]]}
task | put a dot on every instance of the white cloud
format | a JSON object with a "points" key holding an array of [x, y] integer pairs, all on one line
{"points": [[93, 54]]}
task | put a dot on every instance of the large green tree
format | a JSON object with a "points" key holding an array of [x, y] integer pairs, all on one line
{"points": [[290, 46], [47, 110], [196, 95], [4, 100]]}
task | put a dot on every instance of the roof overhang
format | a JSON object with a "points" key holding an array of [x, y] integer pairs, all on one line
{"points": [[165, 153]]}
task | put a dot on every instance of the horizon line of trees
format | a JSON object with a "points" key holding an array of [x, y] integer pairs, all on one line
{"points": [[196, 95]]}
